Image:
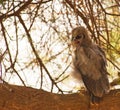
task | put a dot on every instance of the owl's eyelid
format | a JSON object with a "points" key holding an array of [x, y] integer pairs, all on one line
{"points": [[83, 36]]}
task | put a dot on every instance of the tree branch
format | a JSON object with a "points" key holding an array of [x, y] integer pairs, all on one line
{"points": [[22, 98]]}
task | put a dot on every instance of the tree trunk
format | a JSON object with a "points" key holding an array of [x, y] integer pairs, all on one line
{"points": [[24, 98]]}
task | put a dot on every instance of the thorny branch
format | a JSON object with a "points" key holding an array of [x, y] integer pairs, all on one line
{"points": [[10, 57], [36, 54]]}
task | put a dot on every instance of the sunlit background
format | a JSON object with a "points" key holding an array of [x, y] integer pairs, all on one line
{"points": [[49, 24]]}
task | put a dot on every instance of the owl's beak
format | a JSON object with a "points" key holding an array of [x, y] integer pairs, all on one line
{"points": [[75, 41]]}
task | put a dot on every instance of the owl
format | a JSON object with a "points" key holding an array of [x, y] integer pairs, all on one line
{"points": [[90, 61]]}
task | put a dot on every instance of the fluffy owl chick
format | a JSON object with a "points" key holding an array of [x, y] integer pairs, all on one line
{"points": [[89, 59]]}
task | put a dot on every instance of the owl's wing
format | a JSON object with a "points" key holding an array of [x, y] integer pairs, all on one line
{"points": [[94, 73]]}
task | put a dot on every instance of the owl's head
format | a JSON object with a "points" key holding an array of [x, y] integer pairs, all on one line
{"points": [[80, 37]]}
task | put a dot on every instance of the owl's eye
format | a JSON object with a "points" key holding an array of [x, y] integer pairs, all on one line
{"points": [[78, 37]]}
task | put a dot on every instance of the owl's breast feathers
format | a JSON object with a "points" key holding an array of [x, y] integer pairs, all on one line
{"points": [[91, 63]]}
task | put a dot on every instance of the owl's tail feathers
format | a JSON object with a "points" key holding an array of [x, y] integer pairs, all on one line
{"points": [[95, 99]]}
